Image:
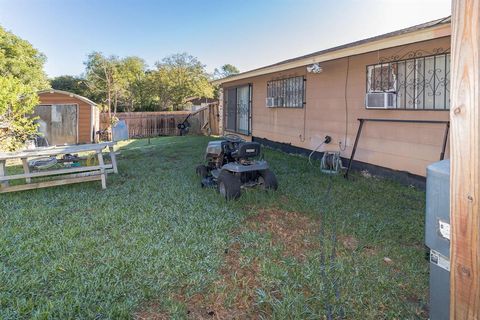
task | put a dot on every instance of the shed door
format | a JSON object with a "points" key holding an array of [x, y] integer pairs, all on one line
{"points": [[58, 123]]}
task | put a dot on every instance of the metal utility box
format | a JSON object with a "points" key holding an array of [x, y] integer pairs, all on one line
{"points": [[437, 237]]}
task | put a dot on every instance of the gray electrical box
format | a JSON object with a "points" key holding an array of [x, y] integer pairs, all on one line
{"points": [[437, 237]]}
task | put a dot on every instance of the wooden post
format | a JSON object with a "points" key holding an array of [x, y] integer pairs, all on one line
{"points": [[26, 169], [3, 172], [113, 157], [465, 161], [103, 174]]}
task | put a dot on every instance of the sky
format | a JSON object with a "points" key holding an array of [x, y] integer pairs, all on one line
{"points": [[246, 33]]}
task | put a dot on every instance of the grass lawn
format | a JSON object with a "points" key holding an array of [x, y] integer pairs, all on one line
{"points": [[154, 245]]}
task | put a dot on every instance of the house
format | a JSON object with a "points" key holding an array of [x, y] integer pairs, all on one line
{"points": [[400, 76], [67, 118]]}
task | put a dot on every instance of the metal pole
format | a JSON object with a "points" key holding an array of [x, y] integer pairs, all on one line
{"points": [[445, 138], [359, 132]]}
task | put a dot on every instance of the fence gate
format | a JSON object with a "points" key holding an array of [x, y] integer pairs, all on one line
{"points": [[214, 118]]}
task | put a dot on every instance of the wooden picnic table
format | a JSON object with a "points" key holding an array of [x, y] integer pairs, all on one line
{"points": [[61, 176]]}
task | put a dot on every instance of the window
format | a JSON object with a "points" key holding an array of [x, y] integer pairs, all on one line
{"points": [[238, 104], [419, 83], [286, 93], [382, 78]]}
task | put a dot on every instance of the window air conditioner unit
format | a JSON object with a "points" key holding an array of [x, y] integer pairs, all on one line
{"points": [[381, 100], [270, 102]]}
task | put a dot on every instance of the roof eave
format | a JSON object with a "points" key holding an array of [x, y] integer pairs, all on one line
{"points": [[71, 94], [436, 31]]}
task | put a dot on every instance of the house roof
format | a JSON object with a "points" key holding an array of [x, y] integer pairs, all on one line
{"points": [[70, 94], [421, 32]]}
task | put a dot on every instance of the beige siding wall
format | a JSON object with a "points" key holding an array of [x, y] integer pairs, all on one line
{"points": [[398, 146], [84, 112]]}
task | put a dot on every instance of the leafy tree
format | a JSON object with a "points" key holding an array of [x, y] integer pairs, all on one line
{"points": [[71, 84], [17, 102], [179, 77], [225, 71], [158, 81], [130, 75], [102, 79], [18, 58], [21, 76], [127, 85], [146, 93], [152, 92], [117, 82]]}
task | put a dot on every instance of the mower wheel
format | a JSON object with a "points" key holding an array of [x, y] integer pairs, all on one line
{"points": [[229, 185], [267, 180], [202, 171]]}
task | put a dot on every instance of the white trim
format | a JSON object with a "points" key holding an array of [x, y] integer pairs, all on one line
{"points": [[92, 133], [78, 120]]}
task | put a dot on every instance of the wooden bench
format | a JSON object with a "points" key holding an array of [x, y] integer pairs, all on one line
{"points": [[59, 176]]}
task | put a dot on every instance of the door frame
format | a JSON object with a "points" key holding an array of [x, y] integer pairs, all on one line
{"points": [[250, 109]]}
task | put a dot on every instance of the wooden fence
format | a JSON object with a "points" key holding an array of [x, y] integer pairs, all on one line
{"points": [[151, 124]]}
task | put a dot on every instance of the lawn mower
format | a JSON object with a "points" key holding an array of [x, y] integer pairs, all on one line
{"points": [[232, 164]]}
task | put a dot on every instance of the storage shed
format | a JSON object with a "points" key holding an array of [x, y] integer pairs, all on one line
{"points": [[67, 118]]}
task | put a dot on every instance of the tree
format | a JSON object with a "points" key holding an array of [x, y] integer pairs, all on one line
{"points": [[21, 76], [117, 82], [17, 102], [146, 94], [225, 71], [71, 84], [130, 75], [102, 79], [22, 61], [181, 76], [125, 84]]}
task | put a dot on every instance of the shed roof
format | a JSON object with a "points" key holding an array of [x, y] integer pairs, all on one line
{"points": [[70, 94], [311, 58]]}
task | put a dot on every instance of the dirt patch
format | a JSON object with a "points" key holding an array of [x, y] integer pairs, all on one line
{"points": [[233, 295], [151, 311], [349, 242], [370, 250], [294, 231]]}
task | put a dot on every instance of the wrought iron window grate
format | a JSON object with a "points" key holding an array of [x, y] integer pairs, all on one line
{"points": [[286, 93], [422, 82]]}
